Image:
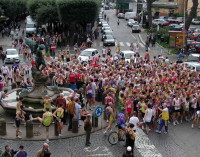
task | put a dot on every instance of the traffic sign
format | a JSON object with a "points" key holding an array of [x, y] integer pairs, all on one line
{"points": [[98, 111], [184, 31], [53, 47]]}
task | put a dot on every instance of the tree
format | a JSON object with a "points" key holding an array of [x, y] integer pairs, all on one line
{"points": [[13, 8], [149, 11], [192, 14], [78, 11]]}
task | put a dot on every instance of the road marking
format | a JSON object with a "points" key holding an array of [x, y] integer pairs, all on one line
{"points": [[98, 151], [141, 45], [128, 44], [121, 43], [101, 43], [133, 36], [144, 145]]}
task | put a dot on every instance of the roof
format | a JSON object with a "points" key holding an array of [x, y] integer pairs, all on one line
{"points": [[194, 55], [90, 49], [127, 51], [170, 5]]}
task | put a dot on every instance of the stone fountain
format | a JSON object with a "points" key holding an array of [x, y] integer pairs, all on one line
{"points": [[33, 97]]}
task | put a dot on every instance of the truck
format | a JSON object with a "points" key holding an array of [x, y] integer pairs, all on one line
{"points": [[130, 15]]}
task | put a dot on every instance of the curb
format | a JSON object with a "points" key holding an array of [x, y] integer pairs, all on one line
{"points": [[53, 138]]}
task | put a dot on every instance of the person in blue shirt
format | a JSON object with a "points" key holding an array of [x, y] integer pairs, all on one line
{"points": [[121, 119]]}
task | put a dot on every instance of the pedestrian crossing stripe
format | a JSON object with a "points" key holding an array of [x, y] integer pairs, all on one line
{"points": [[128, 44], [121, 43], [95, 44], [141, 45]]}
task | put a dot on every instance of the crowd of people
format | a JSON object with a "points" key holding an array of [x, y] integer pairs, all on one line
{"points": [[139, 93], [21, 152]]}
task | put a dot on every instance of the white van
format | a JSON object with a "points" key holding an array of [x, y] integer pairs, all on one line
{"points": [[31, 25], [130, 15]]}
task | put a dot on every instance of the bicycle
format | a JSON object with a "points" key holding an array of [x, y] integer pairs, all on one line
{"points": [[117, 136]]}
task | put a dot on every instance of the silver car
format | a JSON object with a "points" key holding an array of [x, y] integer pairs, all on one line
{"points": [[109, 40], [12, 56]]}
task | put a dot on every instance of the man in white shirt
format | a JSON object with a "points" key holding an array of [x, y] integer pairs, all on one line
{"points": [[135, 121]]}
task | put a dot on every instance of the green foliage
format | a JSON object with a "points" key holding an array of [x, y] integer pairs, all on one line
{"points": [[80, 11], [47, 13], [48, 54], [175, 51], [162, 31], [13, 8]]}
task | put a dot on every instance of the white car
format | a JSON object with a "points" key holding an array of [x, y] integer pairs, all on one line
{"points": [[12, 56], [193, 66], [127, 55], [88, 54], [195, 21], [131, 22]]}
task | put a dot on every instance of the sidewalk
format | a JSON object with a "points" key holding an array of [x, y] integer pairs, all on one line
{"points": [[158, 49], [39, 132]]}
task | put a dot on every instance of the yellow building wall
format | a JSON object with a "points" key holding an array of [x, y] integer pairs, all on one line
{"points": [[189, 6]]}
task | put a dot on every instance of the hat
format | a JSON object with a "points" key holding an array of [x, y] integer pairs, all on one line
{"points": [[129, 148]]}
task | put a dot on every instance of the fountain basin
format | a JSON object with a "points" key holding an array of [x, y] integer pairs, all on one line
{"points": [[35, 108]]}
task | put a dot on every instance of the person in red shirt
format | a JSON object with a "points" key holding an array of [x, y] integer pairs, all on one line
{"points": [[78, 79], [72, 77], [61, 100]]}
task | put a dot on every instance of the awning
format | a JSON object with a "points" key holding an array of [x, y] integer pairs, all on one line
{"points": [[168, 5]]}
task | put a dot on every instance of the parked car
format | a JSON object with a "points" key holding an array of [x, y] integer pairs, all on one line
{"points": [[175, 27], [127, 55], [136, 29], [105, 28], [106, 7], [130, 15], [195, 57], [193, 36], [121, 15], [196, 45], [108, 40], [160, 22], [173, 21], [131, 22], [180, 19], [88, 54], [12, 56], [107, 32], [193, 66], [164, 17], [195, 21], [105, 24]]}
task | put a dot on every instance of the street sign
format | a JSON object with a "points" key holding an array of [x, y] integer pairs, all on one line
{"points": [[184, 31], [53, 47], [98, 111]]}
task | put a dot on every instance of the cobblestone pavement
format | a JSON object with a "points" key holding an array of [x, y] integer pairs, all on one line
{"points": [[73, 147]]}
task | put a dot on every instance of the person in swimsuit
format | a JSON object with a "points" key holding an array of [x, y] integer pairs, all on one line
{"points": [[59, 115], [111, 117], [46, 121]]}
